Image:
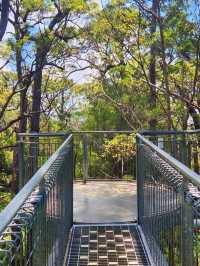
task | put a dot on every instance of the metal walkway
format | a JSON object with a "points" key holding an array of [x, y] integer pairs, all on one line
{"points": [[106, 245], [39, 226]]}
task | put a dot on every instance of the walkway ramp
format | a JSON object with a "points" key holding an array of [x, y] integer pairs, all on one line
{"points": [[106, 245]]}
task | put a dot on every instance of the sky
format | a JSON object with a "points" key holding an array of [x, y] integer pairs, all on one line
{"points": [[78, 77]]}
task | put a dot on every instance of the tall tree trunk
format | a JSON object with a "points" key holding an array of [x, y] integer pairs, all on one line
{"points": [[41, 55], [23, 96], [165, 72], [152, 65], [4, 17], [23, 106], [36, 106], [23, 111], [36, 102], [36, 93]]}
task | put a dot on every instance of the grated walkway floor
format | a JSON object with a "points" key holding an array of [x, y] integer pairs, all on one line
{"points": [[106, 245]]}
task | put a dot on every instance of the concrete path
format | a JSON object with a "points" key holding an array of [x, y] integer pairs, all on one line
{"points": [[105, 201]]}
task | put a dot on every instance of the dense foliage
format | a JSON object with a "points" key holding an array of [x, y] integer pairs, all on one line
{"points": [[77, 65]]}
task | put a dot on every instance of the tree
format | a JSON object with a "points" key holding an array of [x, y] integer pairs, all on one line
{"points": [[4, 9], [123, 59], [121, 148], [152, 64]]}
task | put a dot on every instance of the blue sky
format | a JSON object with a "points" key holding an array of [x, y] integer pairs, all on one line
{"points": [[81, 76]]}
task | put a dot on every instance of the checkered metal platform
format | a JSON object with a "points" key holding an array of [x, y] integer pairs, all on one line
{"points": [[106, 245]]}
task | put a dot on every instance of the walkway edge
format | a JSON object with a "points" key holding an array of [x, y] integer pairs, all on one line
{"points": [[146, 247]]}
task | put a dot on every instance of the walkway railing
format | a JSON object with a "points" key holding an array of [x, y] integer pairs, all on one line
{"points": [[34, 227], [91, 161], [34, 149], [183, 145], [168, 201], [101, 155]]}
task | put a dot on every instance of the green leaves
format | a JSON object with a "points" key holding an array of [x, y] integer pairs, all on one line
{"points": [[34, 5], [120, 147], [74, 5]]}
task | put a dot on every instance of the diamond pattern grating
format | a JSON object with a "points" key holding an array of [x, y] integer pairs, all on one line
{"points": [[106, 245]]}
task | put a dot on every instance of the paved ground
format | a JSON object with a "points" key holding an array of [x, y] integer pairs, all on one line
{"points": [[100, 201]]}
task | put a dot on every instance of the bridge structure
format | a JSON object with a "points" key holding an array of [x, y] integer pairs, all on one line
{"points": [[38, 228]]}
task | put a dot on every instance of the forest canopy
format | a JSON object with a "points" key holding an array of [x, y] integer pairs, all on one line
{"points": [[81, 65], [134, 64]]}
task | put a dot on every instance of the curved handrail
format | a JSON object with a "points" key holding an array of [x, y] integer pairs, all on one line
{"points": [[11, 209], [180, 167]]}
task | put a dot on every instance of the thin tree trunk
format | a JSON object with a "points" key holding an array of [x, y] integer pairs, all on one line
{"points": [[4, 17], [37, 84], [165, 73], [23, 110], [152, 66], [36, 101], [23, 107], [23, 97], [41, 54]]}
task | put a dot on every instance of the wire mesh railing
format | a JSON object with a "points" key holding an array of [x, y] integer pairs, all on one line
{"points": [[168, 205], [34, 150], [98, 155], [183, 145], [102, 155], [35, 226]]}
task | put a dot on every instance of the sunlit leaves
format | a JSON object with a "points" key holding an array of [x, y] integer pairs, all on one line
{"points": [[120, 147], [34, 5], [5, 50], [74, 5]]}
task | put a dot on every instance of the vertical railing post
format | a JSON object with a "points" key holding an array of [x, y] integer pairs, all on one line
{"points": [[85, 158], [174, 145], [71, 179], [187, 228], [33, 155], [161, 143], [140, 183], [183, 150], [196, 156], [21, 182]]}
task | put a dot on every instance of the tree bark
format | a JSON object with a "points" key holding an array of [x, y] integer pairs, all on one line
{"points": [[41, 55], [195, 116], [152, 65], [4, 17], [36, 95], [23, 96], [165, 72]]}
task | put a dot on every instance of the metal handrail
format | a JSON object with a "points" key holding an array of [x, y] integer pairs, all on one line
{"points": [[10, 211], [168, 200], [60, 134], [43, 134], [168, 132], [84, 145], [180, 167]]}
